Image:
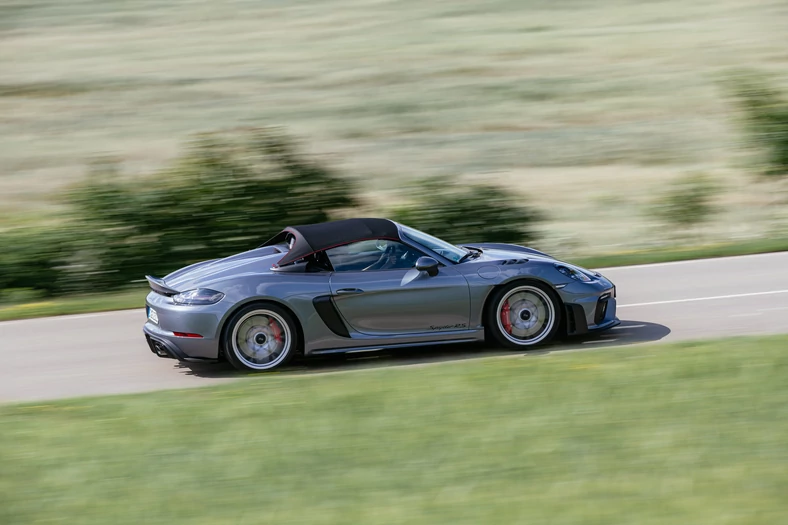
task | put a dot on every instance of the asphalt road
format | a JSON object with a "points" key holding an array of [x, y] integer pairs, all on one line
{"points": [[106, 353]]}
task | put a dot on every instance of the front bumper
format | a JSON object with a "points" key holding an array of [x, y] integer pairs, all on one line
{"points": [[576, 323], [592, 311]]}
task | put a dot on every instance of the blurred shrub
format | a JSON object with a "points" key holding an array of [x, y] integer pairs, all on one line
{"points": [[765, 111], [31, 259], [688, 203], [468, 213], [227, 193]]}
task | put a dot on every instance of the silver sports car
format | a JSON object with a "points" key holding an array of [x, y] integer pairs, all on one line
{"points": [[364, 284]]}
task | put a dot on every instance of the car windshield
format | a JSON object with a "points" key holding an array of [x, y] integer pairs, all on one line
{"points": [[442, 248]]}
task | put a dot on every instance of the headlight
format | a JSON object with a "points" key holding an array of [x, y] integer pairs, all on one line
{"points": [[573, 273], [198, 296]]}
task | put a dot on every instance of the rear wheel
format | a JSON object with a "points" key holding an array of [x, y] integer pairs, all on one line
{"points": [[260, 337], [523, 314]]}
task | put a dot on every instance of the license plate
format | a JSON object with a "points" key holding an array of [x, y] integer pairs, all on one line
{"points": [[152, 315]]}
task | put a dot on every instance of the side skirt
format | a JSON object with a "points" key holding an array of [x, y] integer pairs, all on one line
{"points": [[358, 349]]}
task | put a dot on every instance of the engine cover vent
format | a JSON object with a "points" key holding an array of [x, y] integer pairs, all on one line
{"points": [[513, 261]]}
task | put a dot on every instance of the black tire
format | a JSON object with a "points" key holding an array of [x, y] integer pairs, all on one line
{"points": [[532, 295], [260, 337]]}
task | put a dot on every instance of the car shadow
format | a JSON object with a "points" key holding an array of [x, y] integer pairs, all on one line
{"points": [[627, 333]]}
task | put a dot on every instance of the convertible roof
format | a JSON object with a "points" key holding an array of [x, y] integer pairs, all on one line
{"points": [[311, 238]]}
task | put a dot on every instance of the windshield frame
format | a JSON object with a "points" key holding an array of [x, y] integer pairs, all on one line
{"points": [[432, 244]]}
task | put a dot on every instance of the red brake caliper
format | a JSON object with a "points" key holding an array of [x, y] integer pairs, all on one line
{"points": [[277, 331], [505, 321]]}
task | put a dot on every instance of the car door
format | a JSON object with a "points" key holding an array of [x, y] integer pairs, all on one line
{"points": [[378, 291]]}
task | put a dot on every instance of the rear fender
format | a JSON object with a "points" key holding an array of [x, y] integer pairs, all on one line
{"points": [[259, 300]]}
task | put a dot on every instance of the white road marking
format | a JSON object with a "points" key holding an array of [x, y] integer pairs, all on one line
{"points": [[694, 299], [754, 314], [624, 327], [773, 309]]}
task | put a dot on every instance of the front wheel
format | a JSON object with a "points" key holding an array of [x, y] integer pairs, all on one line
{"points": [[260, 337], [523, 314]]}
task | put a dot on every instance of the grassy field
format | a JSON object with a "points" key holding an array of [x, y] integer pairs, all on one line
{"points": [[133, 298], [687, 433], [701, 251], [589, 107]]}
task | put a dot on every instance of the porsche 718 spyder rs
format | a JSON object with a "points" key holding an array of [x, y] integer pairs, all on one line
{"points": [[364, 284]]}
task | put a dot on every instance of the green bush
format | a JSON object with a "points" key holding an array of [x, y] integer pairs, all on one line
{"points": [[765, 112], [468, 213], [688, 203], [32, 260], [227, 193]]}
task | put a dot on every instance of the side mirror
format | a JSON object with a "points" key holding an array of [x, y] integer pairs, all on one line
{"points": [[427, 264]]}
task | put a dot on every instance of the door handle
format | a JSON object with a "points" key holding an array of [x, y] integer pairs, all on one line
{"points": [[349, 291]]}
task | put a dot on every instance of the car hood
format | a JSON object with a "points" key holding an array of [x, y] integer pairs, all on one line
{"points": [[203, 274], [501, 251], [513, 254]]}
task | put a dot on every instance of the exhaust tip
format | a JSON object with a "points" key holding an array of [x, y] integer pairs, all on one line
{"points": [[160, 349]]}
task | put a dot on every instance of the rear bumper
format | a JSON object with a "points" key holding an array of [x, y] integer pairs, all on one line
{"points": [[168, 345], [200, 321], [163, 348]]}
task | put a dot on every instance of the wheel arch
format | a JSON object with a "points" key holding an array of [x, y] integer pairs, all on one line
{"points": [[261, 301], [522, 280]]}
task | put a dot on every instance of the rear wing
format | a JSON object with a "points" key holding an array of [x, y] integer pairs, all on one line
{"points": [[159, 286]]}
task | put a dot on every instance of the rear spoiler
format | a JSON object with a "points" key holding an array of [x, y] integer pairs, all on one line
{"points": [[158, 286]]}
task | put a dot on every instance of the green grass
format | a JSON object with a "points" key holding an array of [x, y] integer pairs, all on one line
{"points": [[569, 103], [136, 298], [682, 433], [75, 305], [684, 254]]}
